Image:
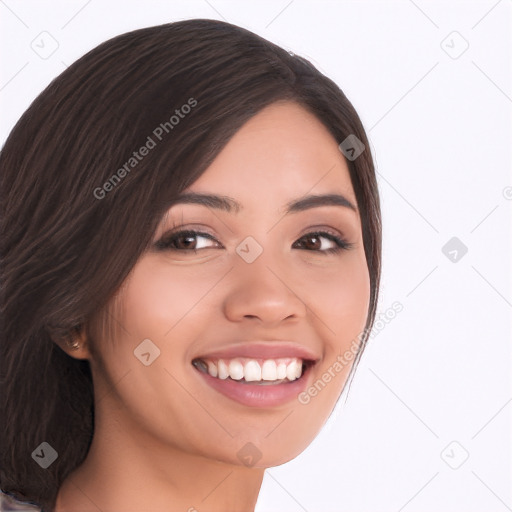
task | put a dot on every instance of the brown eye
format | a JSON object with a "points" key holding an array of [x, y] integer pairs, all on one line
{"points": [[314, 242], [184, 241]]}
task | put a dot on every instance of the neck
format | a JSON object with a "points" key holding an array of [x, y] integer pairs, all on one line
{"points": [[127, 470]]}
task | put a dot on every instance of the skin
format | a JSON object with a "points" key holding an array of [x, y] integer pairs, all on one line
{"points": [[163, 438]]}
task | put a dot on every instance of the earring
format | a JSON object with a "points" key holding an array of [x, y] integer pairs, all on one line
{"points": [[73, 344]]}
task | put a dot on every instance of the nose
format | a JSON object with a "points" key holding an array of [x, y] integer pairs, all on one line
{"points": [[263, 292]]}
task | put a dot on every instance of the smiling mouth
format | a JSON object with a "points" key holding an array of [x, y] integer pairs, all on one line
{"points": [[263, 372]]}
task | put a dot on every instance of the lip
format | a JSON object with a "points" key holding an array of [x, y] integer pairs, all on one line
{"points": [[257, 395], [262, 350]]}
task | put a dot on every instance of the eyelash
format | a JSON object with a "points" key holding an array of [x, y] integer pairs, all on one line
{"points": [[164, 244]]}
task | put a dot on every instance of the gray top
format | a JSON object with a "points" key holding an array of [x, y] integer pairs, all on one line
{"points": [[9, 504]]}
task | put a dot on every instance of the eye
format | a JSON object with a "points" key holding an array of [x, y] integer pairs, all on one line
{"points": [[337, 244], [187, 240], [184, 241]]}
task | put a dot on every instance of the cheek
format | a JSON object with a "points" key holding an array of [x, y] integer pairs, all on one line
{"points": [[157, 298], [355, 296], [340, 296]]}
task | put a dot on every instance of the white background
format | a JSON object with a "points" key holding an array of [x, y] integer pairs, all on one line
{"points": [[440, 130]]}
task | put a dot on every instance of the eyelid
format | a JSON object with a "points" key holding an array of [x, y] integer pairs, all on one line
{"points": [[322, 227], [199, 229]]}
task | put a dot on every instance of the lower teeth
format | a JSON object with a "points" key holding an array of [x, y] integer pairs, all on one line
{"points": [[262, 382]]}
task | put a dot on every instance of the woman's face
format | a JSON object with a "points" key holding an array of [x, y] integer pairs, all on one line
{"points": [[252, 292]]}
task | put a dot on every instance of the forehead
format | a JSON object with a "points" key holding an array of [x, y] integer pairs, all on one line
{"points": [[281, 153]]}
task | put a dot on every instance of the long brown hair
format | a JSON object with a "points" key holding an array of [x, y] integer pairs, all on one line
{"points": [[73, 223]]}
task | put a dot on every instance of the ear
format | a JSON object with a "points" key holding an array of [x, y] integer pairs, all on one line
{"points": [[74, 343]]}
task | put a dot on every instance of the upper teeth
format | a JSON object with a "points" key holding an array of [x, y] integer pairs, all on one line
{"points": [[255, 370]]}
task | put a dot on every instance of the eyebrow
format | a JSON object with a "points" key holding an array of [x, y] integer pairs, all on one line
{"points": [[230, 205]]}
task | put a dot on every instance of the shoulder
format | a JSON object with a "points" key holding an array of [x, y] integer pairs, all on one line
{"points": [[9, 504]]}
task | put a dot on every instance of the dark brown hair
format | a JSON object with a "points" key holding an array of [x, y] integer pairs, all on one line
{"points": [[73, 223]]}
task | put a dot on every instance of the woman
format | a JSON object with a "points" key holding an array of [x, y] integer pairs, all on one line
{"points": [[190, 270]]}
